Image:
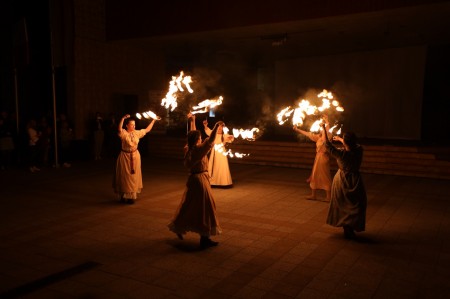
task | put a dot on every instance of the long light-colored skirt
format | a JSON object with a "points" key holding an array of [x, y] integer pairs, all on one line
{"points": [[219, 170], [320, 174], [125, 183]]}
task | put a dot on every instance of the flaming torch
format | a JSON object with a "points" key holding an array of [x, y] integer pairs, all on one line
{"points": [[283, 115], [176, 86], [249, 135], [147, 115], [305, 108], [338, 132], [207, 105], [220, 148]]}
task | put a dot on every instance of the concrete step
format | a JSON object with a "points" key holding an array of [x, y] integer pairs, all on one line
{"points": [[380, 159]]}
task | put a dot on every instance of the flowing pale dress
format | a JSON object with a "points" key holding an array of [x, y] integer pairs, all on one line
{"points": [[218, 167], [197, 210], [348, 194], [320, 174], [127, 182]]}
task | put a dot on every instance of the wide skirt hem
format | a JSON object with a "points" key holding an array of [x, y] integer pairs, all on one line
{"points": [[182, 231]]}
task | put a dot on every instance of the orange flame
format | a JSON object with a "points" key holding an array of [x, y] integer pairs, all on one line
{"points": [[305, 108], [316, 126], [284, 114], [176, 86], [220, 148], [206, 105], [246, 134], [147, 115]]}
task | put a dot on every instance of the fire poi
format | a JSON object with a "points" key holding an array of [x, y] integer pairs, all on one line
{"points": [[147, 115], [206, 105], [176, 87], [304, 108], [248, 135]]}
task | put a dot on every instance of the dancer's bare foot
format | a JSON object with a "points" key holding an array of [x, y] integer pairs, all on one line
{"points": [[311, 197]]}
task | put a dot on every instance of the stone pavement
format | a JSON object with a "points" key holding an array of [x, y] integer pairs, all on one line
{"points": [[63, 235]]}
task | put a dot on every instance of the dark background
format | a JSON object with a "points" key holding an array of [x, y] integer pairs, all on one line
{"points": [[29, 60]]}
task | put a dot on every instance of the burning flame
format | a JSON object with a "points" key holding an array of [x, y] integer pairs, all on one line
{"points": [[316, 126], [305, 108], [246, 134], [325, 94], [332, 128], [206, 105], [176, 86], [147, 115], [220, 148], [249, 135], [284, 114]]}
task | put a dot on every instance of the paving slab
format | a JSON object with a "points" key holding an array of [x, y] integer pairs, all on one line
{"points": [[64, 235]]}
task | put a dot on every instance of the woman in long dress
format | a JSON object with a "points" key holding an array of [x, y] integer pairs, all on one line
{"points": [[348, 194], [218, 167], [127, 182], [320, 178], [197, 210]]}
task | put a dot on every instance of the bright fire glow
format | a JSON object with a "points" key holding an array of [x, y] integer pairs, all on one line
{"points": [[305, 108], [175, 87], [316, 126], [332, 128], [220, 148], [284, 114], [206, 105], [147, 115], [246, 134], [325, 94]]}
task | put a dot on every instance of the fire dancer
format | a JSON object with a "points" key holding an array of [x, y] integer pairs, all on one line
{"points": [[197, 209], [348, 194], [320, 178], [218, 167], [127, 182]]}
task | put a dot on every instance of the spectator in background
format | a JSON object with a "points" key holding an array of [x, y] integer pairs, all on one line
{"points": [[44, 143], [97, 127], [33, 138], [112, 141], [65, 137], [6, 144]]}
